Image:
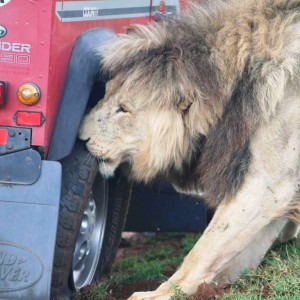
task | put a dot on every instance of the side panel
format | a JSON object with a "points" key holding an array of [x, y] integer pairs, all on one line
{"points": [[24, 55], [159, 208], [37, 46]]}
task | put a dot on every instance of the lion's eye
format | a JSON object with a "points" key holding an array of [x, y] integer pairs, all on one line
{"points": [[121, 109], [187, 108], [185, 105]]}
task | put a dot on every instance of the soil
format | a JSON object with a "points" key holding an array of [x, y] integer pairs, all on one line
{"points": [[204, 292], [135, 246], [209, 292]]}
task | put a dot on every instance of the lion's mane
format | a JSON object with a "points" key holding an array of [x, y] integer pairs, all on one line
{"points": [[231, 62]]}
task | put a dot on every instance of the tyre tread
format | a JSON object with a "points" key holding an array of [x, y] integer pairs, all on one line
{"points": [[77, 182]]}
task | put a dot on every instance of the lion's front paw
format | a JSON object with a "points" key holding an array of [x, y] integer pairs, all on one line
{"points": [[149, 296]]}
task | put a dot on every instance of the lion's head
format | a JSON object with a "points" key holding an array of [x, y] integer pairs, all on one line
{"points": [[125, 126], [159, 100], [173, 81]]}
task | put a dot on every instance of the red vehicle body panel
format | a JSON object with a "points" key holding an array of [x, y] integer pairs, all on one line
{"points": [[40, 37]]}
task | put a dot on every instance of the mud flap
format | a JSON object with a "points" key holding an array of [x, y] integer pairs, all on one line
{"points": [[28, 224]]}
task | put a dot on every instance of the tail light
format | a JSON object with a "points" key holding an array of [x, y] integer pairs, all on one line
{"points": [[3, 93], [29, 118], [3, 136]]}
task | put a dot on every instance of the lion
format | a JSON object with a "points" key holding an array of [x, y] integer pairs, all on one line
{"points": [[211, 101]]}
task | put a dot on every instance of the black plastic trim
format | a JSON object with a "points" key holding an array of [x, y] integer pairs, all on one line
{"points": [[22, 167], [18, 139], [83, 71]]}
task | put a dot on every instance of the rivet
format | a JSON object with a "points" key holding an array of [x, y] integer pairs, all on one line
{"points": [[11, 133], [9, 146]]}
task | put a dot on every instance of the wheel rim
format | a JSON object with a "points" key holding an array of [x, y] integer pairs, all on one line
{"points": [[90, 237]]}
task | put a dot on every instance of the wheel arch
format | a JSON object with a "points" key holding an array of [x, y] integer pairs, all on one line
{"points": [[82, 83]]}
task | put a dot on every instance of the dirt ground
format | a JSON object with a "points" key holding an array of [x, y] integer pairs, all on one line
{"points": [[277, 267], [205, 291], [135, 245]]}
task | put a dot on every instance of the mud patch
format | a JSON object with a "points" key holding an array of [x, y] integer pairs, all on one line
{"points": [[122, 293], [209, 292], [204, 292]]}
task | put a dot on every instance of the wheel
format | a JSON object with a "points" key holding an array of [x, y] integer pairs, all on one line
{"points": [[92, 215]]}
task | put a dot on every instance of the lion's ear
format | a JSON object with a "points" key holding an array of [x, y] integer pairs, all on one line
{"points": [[185, 104]]}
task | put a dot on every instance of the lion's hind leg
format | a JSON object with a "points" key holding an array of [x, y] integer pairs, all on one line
{"points": [[291, 229], [289, 232], [252, 255]]}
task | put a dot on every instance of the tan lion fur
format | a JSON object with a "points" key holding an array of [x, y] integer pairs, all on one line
{"points": [[210, 100], [232, 68]]}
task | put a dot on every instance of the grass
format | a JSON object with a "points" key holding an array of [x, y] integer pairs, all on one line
{"points": [[178, 294], [148, 266], [277, 278]]}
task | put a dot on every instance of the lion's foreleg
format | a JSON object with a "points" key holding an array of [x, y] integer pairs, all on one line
{"points": [[245, 226], [238, 237]]}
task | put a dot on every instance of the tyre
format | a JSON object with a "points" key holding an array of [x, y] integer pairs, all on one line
{"points": [[92, 215]]}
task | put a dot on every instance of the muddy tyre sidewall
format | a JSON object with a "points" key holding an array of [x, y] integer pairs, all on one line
{"points": [[80, 173]]}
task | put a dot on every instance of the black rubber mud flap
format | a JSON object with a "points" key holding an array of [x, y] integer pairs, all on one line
{"points": [[28, 223], [22, 167]]}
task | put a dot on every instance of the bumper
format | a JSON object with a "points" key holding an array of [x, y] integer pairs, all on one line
{"points": [[28, 224]]}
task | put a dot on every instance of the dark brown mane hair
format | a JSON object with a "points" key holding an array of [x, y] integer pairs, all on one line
{"points": [[228, 59]]}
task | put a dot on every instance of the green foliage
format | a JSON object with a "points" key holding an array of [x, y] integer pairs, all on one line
{"points": [[93, 293], [99, 292], [189, 242], [277, 278], [178, 293], [149, 265]]}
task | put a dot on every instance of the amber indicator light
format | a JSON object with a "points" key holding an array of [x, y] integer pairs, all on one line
{"points": [[29, 93]]}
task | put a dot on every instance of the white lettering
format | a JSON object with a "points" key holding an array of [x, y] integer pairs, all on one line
{"points": [[7, 57], [5, 46], [23, 59], [25, 48], [90, 12], [15, 47], [19, 58]]}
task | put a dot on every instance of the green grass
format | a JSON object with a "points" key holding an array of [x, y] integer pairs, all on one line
{"points": [[148, 266], [277, 278], [279, 273]]}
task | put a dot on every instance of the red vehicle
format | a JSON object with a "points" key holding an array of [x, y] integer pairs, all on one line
{"points": [[49, 76]]}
